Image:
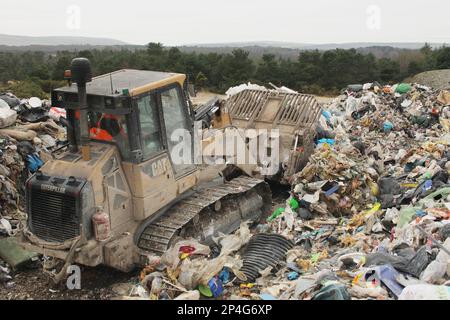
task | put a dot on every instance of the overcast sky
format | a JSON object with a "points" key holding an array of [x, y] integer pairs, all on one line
{"points": [[176, 22]]}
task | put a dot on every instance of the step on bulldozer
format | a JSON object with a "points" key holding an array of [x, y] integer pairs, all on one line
{"points": [[115, 194]]}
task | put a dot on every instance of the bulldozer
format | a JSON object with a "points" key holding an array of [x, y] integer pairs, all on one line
{"points": [[116, 193]]}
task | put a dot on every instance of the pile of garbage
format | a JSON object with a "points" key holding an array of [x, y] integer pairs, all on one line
{"points": [[367, 218], [251, 86], [29, 130]]}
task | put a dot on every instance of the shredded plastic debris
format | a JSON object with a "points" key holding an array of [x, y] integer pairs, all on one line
{"points": [[354, 210]]}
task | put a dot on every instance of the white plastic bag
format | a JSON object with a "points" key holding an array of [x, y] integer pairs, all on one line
{"points": [[235, 90], [5, 225], [425, 292], [443, 257], [3, 104], [435, 272], [7, 117], [233, 242]]}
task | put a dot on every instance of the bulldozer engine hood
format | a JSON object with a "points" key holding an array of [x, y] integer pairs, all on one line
{"points": [[104, 158], [65, 193]]}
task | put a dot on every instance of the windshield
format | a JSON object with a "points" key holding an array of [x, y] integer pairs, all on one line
{"points": [[107, 128], [150, 126]]}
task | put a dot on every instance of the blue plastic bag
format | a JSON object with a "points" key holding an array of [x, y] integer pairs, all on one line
{"points": [[326, 114], [427, 185], [224, 275], [216, 286], [34, 162], [387, 126], [292, 275], [328, 141]]}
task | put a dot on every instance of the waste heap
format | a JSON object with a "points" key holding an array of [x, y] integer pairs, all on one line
{"points": [[367, 218], [29, 130]]}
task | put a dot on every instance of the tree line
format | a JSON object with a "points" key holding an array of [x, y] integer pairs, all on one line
{"points": [[312, 72]]}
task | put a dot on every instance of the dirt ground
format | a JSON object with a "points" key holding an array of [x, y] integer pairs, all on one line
{"points": [[205, 96], [97, 283], [438, 79]]}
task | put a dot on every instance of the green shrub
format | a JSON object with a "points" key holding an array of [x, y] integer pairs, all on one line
{"points": [[27, 89]]}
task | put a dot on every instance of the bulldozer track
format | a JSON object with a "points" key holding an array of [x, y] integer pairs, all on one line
{"points": [[156, 237]]}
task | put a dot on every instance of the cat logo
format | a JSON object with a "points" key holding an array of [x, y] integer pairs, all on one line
{"points": [[159, 167]]}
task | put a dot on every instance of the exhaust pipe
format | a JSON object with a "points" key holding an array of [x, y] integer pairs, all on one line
{"points": [[81, 74]]}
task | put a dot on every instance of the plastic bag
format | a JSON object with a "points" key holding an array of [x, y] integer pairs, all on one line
{"points": [[403, 88], [332, 291], [435, 272], [34, 162], [351, 105], [387, 126], [172, 256], [4, 105], [412, 265], [406, 216], [7, 117], [56, 113], [10, 99], [443, 257], [5, 225], [303, 284], [201, 271], [387, 275], [425, 292], [233, 242]]}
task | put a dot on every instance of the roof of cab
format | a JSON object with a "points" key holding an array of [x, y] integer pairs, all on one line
{"points": [[136, 81]]}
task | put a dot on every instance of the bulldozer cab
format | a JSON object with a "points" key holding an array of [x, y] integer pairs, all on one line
{"points": [[143, 113]]}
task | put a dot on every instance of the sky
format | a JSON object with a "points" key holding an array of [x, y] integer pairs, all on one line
{"points": [[179, 22]]}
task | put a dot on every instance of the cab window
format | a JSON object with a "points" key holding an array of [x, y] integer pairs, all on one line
{"points": [[177, 128], [150, 126], [109, 128]]}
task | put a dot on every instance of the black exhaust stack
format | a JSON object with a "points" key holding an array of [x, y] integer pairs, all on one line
{"points": [[81, 74]]}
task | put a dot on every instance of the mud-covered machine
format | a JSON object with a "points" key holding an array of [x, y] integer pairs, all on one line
{"points": [[115, 193]]}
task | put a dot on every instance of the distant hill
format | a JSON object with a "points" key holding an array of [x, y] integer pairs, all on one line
{"points": [[306, 46], [285, 50], [71, 48], [13, 40], [254, 51], [290, 53], [291, 50]]}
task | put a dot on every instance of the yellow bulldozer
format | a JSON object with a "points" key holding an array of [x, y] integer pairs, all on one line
{"points": [[118, 192]]}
